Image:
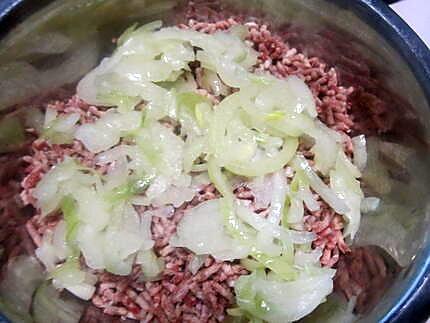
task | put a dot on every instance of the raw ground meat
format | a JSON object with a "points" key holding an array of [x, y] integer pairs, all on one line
{"points": [[180, 296]]}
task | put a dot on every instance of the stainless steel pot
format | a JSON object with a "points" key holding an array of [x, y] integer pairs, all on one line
{"points": [[370, 46]]}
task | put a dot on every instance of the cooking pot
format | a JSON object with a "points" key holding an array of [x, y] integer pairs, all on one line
{"points": [[369, 45]]}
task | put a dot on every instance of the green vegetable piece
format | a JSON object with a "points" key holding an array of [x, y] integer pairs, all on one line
{"points": [[69, 209], [191, 99], [275, 115], [130, 189], [266, 165], [248, 298], [71, 265], [123, 102], [56, 137], [279, 265]]}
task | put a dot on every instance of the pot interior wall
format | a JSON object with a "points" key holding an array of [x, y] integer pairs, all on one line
{"points": [[61, 42]]}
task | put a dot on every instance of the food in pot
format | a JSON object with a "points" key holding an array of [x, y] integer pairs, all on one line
{"points": [[200, 173]]}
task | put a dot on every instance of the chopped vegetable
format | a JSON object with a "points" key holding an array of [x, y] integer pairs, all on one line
{"points": [[54, 247], [106, 132], [71, 277], [274, 230], [95, 220], [326, 146], [201, 230], [152, 266], [59, 129], [69, 209], [278, 197], [337, 203], [343, 181], [278, 301]]}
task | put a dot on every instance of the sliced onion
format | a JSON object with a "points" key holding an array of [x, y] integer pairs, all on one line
{"points": [[296, 211], [304, 97], [326, 146], [106, 132], [262, 190], [275, 231], [202, 231], [211, 82], [276, 295], [71, 277], [310, 258], [300, 163], [266, 165], [343, 181], [279, 193], [152, 266], [308, 198]]}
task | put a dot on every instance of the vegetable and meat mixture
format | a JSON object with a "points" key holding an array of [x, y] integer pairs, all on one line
{"points": [[200, 173]]}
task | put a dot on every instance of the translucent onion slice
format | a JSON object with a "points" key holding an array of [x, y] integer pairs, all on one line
{"points": [[266, 165], [326, 193]]}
